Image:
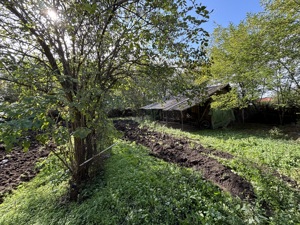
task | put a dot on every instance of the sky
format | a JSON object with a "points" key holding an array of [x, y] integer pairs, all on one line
{"points": [[226, 11]]}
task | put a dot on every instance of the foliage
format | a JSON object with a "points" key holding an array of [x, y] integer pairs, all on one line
{"points": [[275, 132], [236, 60], [25, 118], [157, 83], [280, 26], [256, 145], [80, 52], [225, 101], [137, 188], [260, 56], [39, 195], [8, 92]]}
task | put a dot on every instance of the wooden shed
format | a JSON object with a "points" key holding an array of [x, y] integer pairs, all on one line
{"points": [[193, 110]]}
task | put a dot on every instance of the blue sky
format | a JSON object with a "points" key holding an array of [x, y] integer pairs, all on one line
{"points": [[226, 11]]}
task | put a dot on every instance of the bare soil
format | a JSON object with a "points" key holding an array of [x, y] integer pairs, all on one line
{"points": [[181, 152], [18, 166]]}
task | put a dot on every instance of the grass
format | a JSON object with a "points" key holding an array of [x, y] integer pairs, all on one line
{"points": [[139, 189], [256, 147], [257, 155]]}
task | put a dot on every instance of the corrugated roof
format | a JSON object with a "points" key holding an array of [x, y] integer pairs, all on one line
{"points": [[165, 104], [188, 103], [183, 103], [175, 103], [150, 106]]}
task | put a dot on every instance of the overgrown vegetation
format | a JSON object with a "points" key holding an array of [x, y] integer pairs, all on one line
{"points": [[140, 50], [48, 52], [139, 189], [259, 57], [148, 191]]}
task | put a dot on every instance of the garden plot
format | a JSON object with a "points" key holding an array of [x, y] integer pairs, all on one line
{"points": [[179, 151]]}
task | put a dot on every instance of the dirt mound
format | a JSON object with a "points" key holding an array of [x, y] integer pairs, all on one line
{"points": [[182, 152], [18, 166]]}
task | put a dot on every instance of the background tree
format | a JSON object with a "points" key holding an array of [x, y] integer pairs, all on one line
{"points": [[70, 54], [151, 86], [260, 56], [236, 59], [281, 27]]}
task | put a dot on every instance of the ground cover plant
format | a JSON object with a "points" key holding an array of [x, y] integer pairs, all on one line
{"points": [[180, 151], [258, 146], [269, 162], [137, 188]]}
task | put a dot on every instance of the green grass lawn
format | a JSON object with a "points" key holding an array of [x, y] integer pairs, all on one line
{"points": [[139, 189]]}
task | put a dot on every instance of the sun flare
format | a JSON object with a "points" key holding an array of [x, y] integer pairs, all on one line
{"points": [[52, 14]]}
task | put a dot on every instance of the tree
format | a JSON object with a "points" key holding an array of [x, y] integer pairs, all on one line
{"points": [[70, 54], [281, 26], [261, 55], [236, 59], [135, 92]]}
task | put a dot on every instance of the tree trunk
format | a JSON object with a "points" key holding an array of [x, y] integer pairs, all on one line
{"points": [[281, 116], [243, 116], [83, 150]]}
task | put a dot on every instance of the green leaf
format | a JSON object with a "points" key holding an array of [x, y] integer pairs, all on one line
{"points": [[81, 132]]}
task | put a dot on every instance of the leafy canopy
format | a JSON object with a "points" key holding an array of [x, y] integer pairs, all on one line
{"points": [[71, 55]]}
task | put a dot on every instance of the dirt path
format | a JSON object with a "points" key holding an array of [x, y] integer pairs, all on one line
{"points": [[179, 151], [18, 166]]}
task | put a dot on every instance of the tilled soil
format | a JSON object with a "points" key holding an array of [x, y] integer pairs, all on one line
{"points": [[18, 166], [181, 152]]}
